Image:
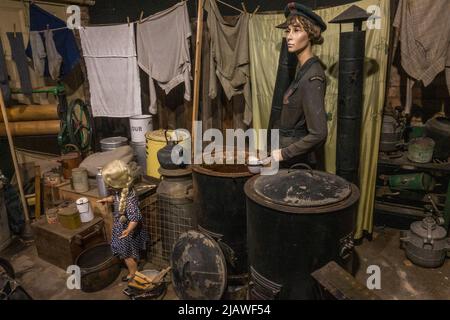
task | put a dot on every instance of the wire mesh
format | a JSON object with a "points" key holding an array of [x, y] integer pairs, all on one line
{"points": [[165, 220]]}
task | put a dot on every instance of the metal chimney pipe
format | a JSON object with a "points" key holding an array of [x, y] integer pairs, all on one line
{"points": [[287, 64], [350, 93]]}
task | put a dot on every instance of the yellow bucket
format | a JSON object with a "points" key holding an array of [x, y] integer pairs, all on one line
{"points": [[156, 140]]}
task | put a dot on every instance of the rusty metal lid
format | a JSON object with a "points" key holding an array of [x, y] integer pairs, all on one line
{"points": [[199, 269], [302, 188], [428, 229]]}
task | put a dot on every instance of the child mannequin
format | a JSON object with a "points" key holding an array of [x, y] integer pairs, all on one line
{"points": [[128, 237]]}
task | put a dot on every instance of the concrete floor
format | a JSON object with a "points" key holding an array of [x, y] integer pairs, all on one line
{"points": [[400, 279]]}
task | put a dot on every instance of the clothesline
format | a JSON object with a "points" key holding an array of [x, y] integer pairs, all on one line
{"points": [[141, 19]]}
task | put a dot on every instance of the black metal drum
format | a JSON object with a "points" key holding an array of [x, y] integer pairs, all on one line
{"points": [[220, 202], [297, 221]]}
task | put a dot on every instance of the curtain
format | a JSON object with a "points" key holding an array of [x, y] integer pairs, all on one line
{"points": [[265, 43], [265, 46]]}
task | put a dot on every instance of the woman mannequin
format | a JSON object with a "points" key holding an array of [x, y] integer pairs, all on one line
{"points": [[302, 124]]}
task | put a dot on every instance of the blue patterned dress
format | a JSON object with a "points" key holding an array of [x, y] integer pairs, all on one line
{"points": [[131, 245]]}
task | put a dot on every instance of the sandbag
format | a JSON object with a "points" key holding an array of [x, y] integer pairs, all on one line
{"points": [[100, 159]]}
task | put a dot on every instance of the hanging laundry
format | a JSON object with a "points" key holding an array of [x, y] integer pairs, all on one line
{"points": [[64, 39], [38, 53], [113, 74], [4, 79], [163, 50], [229, 57], [424, 34], [21, 60], [54, 59]]}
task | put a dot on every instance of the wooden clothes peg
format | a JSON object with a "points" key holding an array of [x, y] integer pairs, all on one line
{"points": [[256, 10], [243, 7], [140, 16], [128, 21]]}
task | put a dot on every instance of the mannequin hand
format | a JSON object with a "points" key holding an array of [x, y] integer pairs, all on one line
{"points": [[109, 199], [276, 155], [125, 233]]}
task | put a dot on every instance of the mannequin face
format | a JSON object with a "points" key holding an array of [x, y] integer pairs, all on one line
{"points": [[297, 38]]}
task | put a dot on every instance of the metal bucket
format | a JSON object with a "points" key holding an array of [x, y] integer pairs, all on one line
{"points": [[139, 126], [112, 143], [139, 151], [99, 268], [420, 150]]}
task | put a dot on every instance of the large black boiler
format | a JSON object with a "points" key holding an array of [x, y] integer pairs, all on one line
{"points": [[211, 263], [297, 221], [220, 200]]}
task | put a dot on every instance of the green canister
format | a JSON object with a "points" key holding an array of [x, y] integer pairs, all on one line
{"points": [[412, 181], [69, 217]]}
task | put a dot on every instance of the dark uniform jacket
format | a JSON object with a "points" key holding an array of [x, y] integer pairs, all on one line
{"points": [[303, 123]]}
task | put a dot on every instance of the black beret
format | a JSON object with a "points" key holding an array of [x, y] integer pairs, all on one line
{"points": [[297, 9]]}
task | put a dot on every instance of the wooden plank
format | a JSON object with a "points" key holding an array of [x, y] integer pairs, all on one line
{"points": [[198, 66]]}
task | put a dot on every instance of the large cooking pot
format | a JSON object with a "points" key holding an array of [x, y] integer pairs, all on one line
{"points": [[439, 130], [99, 268], [426, 243], [297, 221]]}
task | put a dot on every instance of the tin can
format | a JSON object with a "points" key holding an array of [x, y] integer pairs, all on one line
{"points": [[101, 186], [80, 182]]}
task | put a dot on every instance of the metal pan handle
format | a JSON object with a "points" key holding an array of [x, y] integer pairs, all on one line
{"points": [[304, 165]]}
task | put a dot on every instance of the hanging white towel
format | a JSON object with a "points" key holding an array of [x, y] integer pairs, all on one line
{"points": [[110, 56], [163, 50], [53, 57], [38, 53]]}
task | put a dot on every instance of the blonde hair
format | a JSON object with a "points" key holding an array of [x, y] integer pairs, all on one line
{"points": [[313, 30], [118, 175]]}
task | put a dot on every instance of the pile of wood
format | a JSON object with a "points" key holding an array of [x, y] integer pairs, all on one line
{"points": [[143, 282]]}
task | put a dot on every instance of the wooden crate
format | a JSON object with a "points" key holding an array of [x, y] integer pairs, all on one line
{"points": [[60, 246]]}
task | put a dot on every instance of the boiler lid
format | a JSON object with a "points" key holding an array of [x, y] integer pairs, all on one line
{"points": [[302, 188], [198, 267]]}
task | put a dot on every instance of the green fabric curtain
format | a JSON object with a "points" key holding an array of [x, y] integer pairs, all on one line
{"points": [[265, 47], [265, 43]]}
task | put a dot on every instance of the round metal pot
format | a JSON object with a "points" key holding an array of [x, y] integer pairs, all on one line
{"points": [[425, 243], [439, 130], [99, 268]]}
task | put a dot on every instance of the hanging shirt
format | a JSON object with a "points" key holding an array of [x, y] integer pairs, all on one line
{"points": [[54, 59], [229, 59], [110, 56], [20, 58], [64, 39], [4, 79], [38, 53], [163, 50], [424, 34]]}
